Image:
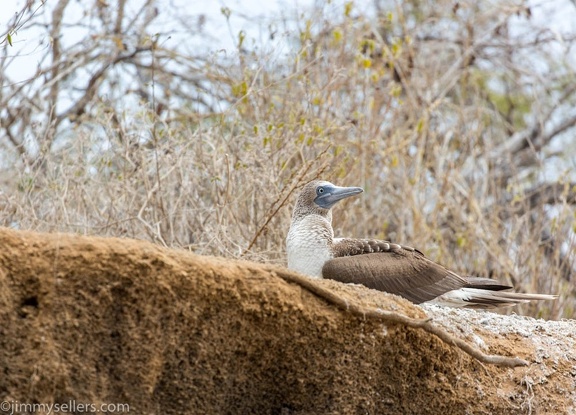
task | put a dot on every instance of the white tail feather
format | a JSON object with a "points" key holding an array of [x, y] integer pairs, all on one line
{"points": [[479, 298]]}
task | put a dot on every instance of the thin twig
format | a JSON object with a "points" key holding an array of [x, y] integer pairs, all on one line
{"points": [[271, 215], [281, 201]]}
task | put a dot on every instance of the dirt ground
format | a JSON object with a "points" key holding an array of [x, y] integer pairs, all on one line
{"points": [[104, 320]]}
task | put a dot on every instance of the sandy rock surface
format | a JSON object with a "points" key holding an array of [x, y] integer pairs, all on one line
{"points": [[104, 320]]}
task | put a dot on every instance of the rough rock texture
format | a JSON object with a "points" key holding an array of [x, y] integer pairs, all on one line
{"points": [[99, 320]]}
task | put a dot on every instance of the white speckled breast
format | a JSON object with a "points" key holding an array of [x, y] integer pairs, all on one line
{"points": [[308, 245]]}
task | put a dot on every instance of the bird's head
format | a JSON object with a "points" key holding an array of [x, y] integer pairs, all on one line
{"points": [[320, 196]]}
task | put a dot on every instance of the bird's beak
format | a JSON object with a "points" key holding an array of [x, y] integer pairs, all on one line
{"points": [[334, 194]]}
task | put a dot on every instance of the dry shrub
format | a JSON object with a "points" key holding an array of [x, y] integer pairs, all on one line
{"points": [[438, 110]]}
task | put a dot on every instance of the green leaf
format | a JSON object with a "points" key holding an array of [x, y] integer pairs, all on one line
{"points": [[337, 34], [420, 125], [241, 37], [9, 39], [348, 8]]}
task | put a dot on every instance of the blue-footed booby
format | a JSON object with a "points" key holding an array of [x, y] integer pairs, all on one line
{"points": [[397, 269]]}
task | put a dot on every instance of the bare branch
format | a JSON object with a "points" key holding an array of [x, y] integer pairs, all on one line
{"points": [[532, 139], [76, 110], [551, 194], [19, 21]]}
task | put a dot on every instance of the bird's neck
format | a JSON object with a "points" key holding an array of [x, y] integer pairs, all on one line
{"points": [[309, 243]]}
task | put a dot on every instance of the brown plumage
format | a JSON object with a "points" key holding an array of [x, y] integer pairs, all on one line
{"points": [[381, 265]]}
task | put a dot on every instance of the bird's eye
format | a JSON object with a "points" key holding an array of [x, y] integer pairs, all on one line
{"points": [[320, 190]]}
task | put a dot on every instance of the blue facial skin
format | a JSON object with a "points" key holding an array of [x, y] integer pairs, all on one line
{"points": [[328, 195]]}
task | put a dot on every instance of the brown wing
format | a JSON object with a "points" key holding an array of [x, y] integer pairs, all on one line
{"points": [[389, 267]]}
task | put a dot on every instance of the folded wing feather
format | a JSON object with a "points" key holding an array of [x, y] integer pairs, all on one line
{"points": [[397, 269]]}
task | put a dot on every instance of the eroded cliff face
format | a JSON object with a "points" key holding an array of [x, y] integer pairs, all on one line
{"points": [[95, 320]]}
